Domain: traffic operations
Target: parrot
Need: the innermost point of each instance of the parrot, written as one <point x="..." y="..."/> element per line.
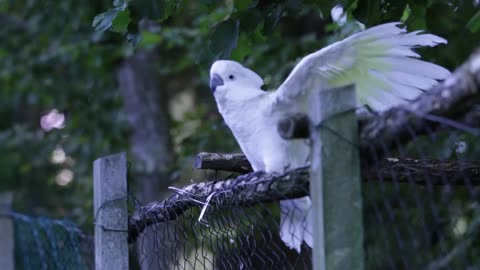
<point x="379" y="61"/>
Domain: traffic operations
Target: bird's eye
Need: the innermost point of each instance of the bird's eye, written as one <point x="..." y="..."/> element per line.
<point x="231" y="77"/>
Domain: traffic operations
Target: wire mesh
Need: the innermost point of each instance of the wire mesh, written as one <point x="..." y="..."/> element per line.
<point x="44" y="243"/>
<point x="420" y="211"/>
<point x="423" y="213"/>
<point x="235" y="238"/>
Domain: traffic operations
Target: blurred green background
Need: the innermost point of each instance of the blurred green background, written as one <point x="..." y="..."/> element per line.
<point x="83" y="79"/>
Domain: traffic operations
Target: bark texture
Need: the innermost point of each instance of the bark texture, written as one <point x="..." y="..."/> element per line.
<point x="145" y="105"/>
<point x="237" y="163"/>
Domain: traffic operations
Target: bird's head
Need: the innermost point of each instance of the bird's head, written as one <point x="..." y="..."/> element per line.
<point x="231" y="80"/>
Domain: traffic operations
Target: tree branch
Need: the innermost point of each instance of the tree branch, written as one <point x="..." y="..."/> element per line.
<point x="294" y="127"/>
<point x="420" y="171"/>
<point x="237" y="163"/>
<point x="248" y="189"/>
<point x="424" y="171"/>
<point x="261" y="187"/>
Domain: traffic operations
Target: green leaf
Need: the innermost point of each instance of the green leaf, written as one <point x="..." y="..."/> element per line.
<point x="224" y="39"/>
<point x="417" y="18"/>
<point x="474" y="23"/>
<point x="104" y="21"/>
<point x="406" y="13"/>
<point x="243" y="49"/>
<point x="121" y="21"/>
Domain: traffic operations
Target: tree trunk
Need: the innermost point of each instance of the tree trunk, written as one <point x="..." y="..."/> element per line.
<point x="145" y="105"/>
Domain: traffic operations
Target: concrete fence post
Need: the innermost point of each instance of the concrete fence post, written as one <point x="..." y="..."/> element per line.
<point x="335" y="182"/>
<point x="111" y="213"/>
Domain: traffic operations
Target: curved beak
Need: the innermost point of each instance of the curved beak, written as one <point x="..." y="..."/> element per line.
<point x="215" y="81"/>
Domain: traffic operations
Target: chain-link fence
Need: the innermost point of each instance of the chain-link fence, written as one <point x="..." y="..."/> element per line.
<point x="420" y="211"/>
<point x="419" y="174"/>
<point x="236" y="236"/>
<point x="421" y="203"/>
<point x="45" y="243"/>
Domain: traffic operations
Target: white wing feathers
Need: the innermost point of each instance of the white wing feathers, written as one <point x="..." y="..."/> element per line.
<point x="379" y="61"/>
<point x="296" y="222"/>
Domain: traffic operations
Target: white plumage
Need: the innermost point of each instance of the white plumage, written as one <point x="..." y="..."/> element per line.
<point x="379" y="61"/>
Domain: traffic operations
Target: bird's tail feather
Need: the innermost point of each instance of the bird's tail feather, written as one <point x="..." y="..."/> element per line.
<point x="296" y="222"/>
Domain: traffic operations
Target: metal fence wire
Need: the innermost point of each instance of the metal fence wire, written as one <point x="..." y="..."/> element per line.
<point x="419" y="173"/>
<point x="420" y="211"/>
<point x="421" y="204"/>
<point x="234" y="237"/>
<point x="45" y="243"/>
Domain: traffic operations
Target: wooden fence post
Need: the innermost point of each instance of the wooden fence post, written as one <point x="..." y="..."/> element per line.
<point x="111" y="214"/>
<point x="335" y="182"/>
<point x="7" y="237"/>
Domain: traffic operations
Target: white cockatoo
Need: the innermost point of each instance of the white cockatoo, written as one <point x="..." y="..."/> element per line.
<point x="379" y="61"/>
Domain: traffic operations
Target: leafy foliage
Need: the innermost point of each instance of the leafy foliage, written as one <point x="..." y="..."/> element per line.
<point x="52" y="58"/>
<point x="56" y="62"/>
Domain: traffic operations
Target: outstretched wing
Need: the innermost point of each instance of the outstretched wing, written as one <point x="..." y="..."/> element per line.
<point x="379" y="61"/>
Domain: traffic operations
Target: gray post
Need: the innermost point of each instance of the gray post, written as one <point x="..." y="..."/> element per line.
<point x="335" y="182"/>
<point x="7" y="237"/>
<point x="111" y="215"/>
